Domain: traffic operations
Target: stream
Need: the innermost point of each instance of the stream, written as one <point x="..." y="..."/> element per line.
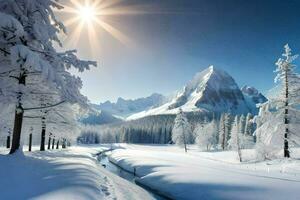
<point x="104" y="161"/>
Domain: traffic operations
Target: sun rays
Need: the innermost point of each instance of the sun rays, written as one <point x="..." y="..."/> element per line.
<point x="86" y="17"/>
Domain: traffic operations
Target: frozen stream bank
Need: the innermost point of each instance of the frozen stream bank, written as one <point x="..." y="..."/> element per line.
<point x="128" y="175"/>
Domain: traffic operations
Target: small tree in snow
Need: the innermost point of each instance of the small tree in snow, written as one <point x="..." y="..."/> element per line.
<point x="249" y="126"/>
<point x="206" y="134"/>
<point x="224" y="128"/>
<point x="182" y="133"/>
<point x="234" y="141"/>
<point x="242" y="122"/>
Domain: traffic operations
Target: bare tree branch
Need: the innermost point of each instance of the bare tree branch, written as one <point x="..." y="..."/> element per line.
<point x="5" y="52"/>
<point x="33" y="117"/>
<point x="43" y="107"/>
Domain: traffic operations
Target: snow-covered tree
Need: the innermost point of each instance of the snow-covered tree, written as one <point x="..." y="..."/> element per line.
<point x="278" y="120"/>
<point x="28" y="31"/>
<point x="234" y="141"/>
<point x="246" y="140"/>
<point x="224" y="128"/>
<point x="206" y="134"/>
<point x="249" y="126"/>
<point x="182" y="133"/>
<point x="242" y="122"/>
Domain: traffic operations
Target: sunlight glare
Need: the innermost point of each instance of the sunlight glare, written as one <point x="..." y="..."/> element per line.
<point x="87" y="13"/>
<point x="90" y="18"/>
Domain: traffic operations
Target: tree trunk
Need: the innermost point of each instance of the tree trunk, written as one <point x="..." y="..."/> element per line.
<point x="63" y="144"/>
<point x="223" y="140"/>
<point x="286" y="121"/>
<point x="239" y="147"/>
<point x="8" y="142"/>
<point x="43" y="136"/>
<point x="57" y="144"/>
<point x="184" y="141"/>
<point x="17" y="129"/>
<point x="223" y="135"/>
<point x="53" y="142"/>
<point x="30" y="142"/>
<point x="49" y="142"/>
<point x="19" y="112"/>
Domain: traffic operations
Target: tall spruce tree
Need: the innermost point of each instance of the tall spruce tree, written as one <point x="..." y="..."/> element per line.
<point x="278" y="119"/>
<point x="289" y="79"/>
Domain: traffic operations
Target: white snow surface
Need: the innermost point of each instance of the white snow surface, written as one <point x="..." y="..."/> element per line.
<point x="72" y="173"/>
<point x="210" y="175"/>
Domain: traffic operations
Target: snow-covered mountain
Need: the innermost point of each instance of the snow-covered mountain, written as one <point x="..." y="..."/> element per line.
<point x="211" y="90"/>
<point x="253" y="97"/>
<point x="98" y="118"/>
<point x="125" y="108"/>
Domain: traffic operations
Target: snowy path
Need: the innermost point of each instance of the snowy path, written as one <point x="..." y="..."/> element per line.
<point x="199" y="175"/>
<point x="72" y="173"/>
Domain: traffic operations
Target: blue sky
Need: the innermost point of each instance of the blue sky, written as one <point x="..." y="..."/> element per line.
<point x="178" y="38"/>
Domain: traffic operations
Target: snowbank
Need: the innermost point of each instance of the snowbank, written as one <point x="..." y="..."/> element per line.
<point x="73" y="173"/>
<point x="201" y="175"/>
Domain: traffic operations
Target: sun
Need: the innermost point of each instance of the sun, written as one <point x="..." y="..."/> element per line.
<point x="87" y="13"/>
<point x="87" y="19"/>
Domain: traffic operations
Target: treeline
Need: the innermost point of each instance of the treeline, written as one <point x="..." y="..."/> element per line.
<point x="157" y="129"/>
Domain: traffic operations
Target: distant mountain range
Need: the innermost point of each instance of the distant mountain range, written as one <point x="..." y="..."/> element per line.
<point x="124" y="108"/>
<point x="98" y="118"/>
<point x="211" y="90"/>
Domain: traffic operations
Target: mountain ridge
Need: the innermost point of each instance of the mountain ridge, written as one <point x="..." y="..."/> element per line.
<point x="212" y="90"/>
<point x="125" y="107"/>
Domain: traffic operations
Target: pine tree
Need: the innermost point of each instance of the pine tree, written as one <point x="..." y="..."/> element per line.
<point x="242" y="122"/>
<point x="278" y="119"/>
<point x="182" y="133"/>
<point x="235" y="137"/>
<point x="287" y="76"/>
<point x="248" y="125"/>
<point x="224" y="128"/>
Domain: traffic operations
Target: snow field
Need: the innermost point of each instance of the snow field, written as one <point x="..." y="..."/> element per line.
<point x="73" y="173"/>
<point x="209" y="175"/>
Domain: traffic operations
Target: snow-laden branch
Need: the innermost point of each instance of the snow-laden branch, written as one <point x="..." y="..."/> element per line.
<point x="43" y="107"/>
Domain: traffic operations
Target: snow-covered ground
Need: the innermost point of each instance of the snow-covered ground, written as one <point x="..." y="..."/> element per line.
<point x="72" y="173"/>
<point x="215" y="175"/>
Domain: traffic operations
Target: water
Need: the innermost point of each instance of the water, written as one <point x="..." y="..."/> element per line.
<point x="103" y="159"/>
<point x="116" y="170"/>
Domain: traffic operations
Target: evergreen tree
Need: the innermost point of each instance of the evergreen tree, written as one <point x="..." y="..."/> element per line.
<point x="224" y="128"/>
<point x="287" y="76"/>
<point x="248" y="125"/>
<point x="242" y="122"/>
<point x="278" y="119"/>
<point x="234" y="142"/>
<point x="182" y="133"/>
